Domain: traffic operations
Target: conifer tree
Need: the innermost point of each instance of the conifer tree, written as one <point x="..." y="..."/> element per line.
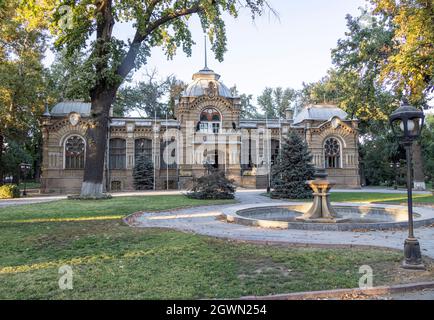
<point x="143" y="173"/>
<point x="292" y="169"/>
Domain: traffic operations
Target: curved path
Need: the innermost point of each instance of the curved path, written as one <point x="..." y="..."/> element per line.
<point x="203" y="220"/>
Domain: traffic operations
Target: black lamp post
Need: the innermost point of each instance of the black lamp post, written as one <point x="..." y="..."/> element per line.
<point x="407" y="123"/>
<point x="25" y="168"/>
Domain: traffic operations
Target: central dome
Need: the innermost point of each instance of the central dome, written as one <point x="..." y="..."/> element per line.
<point x="204" y="82"/>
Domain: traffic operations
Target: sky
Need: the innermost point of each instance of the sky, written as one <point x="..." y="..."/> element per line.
<point x="282" y="51"/>
<point x="269" y="52"/>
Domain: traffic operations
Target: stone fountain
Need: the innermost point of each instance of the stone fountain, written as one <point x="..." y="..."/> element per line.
<point x="321" y="210"/>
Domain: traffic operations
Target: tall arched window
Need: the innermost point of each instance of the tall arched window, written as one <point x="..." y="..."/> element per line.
<point x="332" y="153"/>
<point x="168" y="151"/>
<point x="117" y="154"/>
<point x="210" y="121"/>
<point x="74" y="153"/>
<point x="143" y="146"/>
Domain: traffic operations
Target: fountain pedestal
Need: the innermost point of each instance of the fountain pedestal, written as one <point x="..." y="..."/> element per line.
<point x="321" y="210"/>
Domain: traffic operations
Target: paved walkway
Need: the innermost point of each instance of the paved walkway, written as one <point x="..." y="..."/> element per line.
<point x="202" y="220"/>
<point x="48" y="198"/>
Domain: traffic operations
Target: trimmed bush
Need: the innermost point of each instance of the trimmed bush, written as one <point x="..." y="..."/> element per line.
<point x="214" y="185"/>
<point x="9" y="191"/>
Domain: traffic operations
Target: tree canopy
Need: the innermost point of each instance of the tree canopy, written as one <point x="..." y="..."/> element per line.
<point x="409" y="67"/>
<point x="275" y="101"/>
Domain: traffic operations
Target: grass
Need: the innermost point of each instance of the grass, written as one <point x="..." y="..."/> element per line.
<point x="115" y="208"/>
<point x="369" y="197"/>
<point x="113" y="261"/>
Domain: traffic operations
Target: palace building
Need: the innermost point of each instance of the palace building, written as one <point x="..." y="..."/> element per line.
<point x="207" y="128"/>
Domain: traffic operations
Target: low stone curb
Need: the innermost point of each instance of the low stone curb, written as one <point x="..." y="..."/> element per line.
<point x="314" y="295"/>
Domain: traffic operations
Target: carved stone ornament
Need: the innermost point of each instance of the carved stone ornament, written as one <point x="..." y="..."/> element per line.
<point x="211" y="90"/>
<point x="335" y="123"/>
<point x="74" y="118"/>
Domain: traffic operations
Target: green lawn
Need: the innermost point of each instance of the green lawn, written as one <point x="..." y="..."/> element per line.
<point x="112" y="260"/>
<point x="369" y="197"/>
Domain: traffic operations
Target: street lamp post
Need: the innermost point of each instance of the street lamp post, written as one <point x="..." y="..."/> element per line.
<point x="407" y="123"/>
<point x="25" y="168"/>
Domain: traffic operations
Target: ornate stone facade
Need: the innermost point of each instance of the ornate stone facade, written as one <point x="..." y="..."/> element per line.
<point x="207" y="128"/>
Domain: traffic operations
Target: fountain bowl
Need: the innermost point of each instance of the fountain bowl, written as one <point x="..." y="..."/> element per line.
<point x="350" y="217"/>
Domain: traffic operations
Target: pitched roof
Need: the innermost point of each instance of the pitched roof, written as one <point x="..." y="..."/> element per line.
<point x="66" y="107"/>
<point x="320" y="113"/>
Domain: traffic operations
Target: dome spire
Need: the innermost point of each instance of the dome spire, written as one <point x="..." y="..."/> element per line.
<point x="205" y="56"/>
<point x="206" y="66"/>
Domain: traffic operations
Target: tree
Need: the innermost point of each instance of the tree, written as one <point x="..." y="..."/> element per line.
<point x="248" y="110"/>
<point x="358" y="59"/>
<point x="377" y="153"/>
<point x="149" y="98"/>
<point x="427" y="143"/>
<point x="143" y="173"/>
<point x="292" y="169"/>
<point x="375" y="68"/>
<point x="410" y="67"/>
<point x="156" y="23"/>
<point x="14" y="154"/>
<point x="213" y="185"/>
<point x="360" y="98"/>
<point x="22" y="82"/>
<point x="275" y="101"/>
<point x="66" y="79"/>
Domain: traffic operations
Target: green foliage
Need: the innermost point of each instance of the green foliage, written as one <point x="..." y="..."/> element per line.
<point x="67" y="80"/>
<point x="14" y="154"/>
<point x="248" y="109"/>
<point x="157" y="24"/>
<point x="410" y="67"/>
<point x="355" y="84"/>
<point x="427" y="142"/>
<point x="275" y="101"/>
<point x="9" y="191"/>
<point x="143" y="173"/>
<point x="22" y="90"/>
<point x="149" y="98"/>
<point x="292" y="169"/>
<point x="377" y="153"/>
<point x="213" y="185"/>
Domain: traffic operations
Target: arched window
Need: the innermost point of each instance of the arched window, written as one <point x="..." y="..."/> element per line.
<point x="210" y="121"/>
<point x="74" y="152"/>
<point x="168" y="151"/>
<point x="117" y="154"/>
<point x="143" y="146"/>
<point x="332" y="153"/>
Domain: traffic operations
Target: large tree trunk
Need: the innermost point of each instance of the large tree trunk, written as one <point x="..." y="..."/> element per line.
<point x="418" y="172"/>
<point x="96" y="144"/>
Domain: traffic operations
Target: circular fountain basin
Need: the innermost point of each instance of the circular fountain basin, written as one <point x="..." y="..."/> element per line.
<point x="350" y="217"/>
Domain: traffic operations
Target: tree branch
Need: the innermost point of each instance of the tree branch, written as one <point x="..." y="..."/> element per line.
<point x="128" y="62"/>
